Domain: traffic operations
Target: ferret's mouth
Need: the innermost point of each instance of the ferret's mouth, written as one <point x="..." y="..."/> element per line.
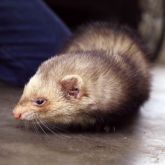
<point x="29" y="116"/>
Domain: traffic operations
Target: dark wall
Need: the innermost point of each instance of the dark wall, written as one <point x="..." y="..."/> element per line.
<point x="76" y="12"/>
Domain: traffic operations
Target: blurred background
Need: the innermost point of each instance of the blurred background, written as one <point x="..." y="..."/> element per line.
<point x="145" y="16"/>
<point x="141" y="142"/>
<point x="31" y="33"/>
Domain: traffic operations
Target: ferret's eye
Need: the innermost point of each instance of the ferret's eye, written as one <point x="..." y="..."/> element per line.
<point x="39" y="101"/>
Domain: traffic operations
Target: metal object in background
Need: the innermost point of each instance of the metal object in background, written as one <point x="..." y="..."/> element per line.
<point x="152" y="24"/>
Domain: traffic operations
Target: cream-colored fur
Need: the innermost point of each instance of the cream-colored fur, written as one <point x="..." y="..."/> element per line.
<point x="97" y="58"/>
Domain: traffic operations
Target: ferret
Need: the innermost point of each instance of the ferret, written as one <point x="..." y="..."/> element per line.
<point x="101" y="73"/>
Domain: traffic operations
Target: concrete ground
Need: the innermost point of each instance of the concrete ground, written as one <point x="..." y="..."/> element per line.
<point x="142" y="142"/>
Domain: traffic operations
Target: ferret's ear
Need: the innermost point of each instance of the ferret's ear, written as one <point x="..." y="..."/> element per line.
<point x="72" y="86"/>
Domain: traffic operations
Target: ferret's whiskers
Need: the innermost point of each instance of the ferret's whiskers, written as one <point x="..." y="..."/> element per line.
<point x="59" y="130"/>
<point x="44" y="124"/>
<point x="26" y="125"/>
<point x="81" y="137"/>
<point x="35" y="127"/>
<point x="52" y="131"/>
<point x="39" y="124"/>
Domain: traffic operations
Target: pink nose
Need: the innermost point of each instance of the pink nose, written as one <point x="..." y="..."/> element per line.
<point x="17" y="115"/>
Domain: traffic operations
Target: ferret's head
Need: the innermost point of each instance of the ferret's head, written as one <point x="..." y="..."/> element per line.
<point x="60" y="99"/>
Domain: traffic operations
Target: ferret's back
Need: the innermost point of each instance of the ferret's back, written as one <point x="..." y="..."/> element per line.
<point x="118" y="41"/>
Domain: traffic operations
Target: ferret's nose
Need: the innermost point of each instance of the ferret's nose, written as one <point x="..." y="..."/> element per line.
<point x="17" y="115"/>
